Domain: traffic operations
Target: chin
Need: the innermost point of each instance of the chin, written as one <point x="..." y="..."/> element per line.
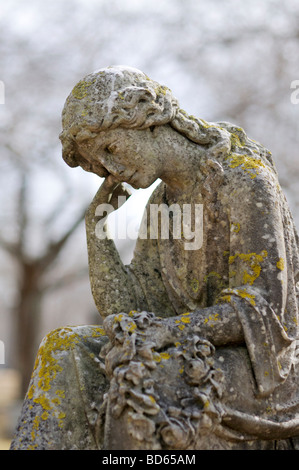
<point x="141" y="183"/>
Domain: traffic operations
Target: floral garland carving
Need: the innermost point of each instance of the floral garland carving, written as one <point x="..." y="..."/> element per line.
<point x="161" y="415"/>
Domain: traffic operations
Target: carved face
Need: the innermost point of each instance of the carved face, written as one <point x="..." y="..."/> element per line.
<point x="133" y="156"/>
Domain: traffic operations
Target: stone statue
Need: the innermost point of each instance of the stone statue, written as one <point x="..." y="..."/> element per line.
<point x="198" y="344"/>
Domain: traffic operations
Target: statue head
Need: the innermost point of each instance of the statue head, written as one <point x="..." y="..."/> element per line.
<point x="121" y="96"/>
<point x="109" y="98"/>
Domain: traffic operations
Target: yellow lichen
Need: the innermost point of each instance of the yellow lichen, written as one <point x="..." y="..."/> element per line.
<point x="184" y="318"/>
<point x="212" y="274"/>
<point x="60" y="393"/>
<point x="80" y="90"/>
<point x="252" y="260"/>
<point x="212" y="318"/>
<point x="235" y="140"/>
<point x="59" y="340"/>
<point x="152" y="399"/>
<point x="43" y="401"/>
<point x="235" y="227"/>
<point x="45" y="415"/>
<point x="118" y="318"/>
<point x="248" y="164"/>
<point x="158" y="357"/>
<point x="226" y="298"/>
<point x="35" y="427"/>
<point x="46" y="369"/>
<point x="132" y="313"/>
<point x="165" y="355"/>
<point x="161" y="90"/>
<point x="194" y="285"/>
<point x="56" y="401"/>
<point x="280" y="264"/>
<point x="98" y="331"/>
<point x="131" y="327"/>
<point x="31" y="392"/>
<point x="245" y="295"/>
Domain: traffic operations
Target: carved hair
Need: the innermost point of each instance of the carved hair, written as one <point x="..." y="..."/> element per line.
<point x="126" y="97"/>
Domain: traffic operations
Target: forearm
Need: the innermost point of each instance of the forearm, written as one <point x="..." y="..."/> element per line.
<point x="218" y="324"/>
<point x="111" y="285"/>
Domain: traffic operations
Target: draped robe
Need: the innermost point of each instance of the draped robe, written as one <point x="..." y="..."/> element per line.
<point x="248" y="263"/>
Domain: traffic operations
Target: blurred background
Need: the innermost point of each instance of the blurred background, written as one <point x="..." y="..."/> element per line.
<point x="224" y="60"/>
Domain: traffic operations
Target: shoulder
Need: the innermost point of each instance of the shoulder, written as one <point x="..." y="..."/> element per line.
<point x="247" y="175"/>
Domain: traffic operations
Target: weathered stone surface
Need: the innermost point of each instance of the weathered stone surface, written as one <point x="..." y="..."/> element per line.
<point x="62" y="408"/>
<point x="200" y="341"/>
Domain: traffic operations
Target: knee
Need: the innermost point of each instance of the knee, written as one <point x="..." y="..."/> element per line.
<point x="65" y="339"/>
<point x="58" y="340"/>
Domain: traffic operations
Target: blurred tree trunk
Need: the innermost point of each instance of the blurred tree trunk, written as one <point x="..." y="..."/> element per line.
<point x="27" y="320"/>
<point x="32" y="270"/>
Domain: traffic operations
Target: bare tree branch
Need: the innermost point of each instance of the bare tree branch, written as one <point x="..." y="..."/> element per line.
<point x="55" y="248"/>
<point x="10" y="247"/>
<point x="66" y="280"/>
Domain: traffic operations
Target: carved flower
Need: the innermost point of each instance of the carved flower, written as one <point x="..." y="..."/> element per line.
<point x="144" y="319"/>
<point x="135" y="372"/>
<point x="196" y="370"/>
<point x="202" y="348"/>
<point x="176" y="435"/>
<point x="143" y="403"/>
<point x="140" y="427"/>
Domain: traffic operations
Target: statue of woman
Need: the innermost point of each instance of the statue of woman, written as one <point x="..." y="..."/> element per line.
<point x="198" y="345"/>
